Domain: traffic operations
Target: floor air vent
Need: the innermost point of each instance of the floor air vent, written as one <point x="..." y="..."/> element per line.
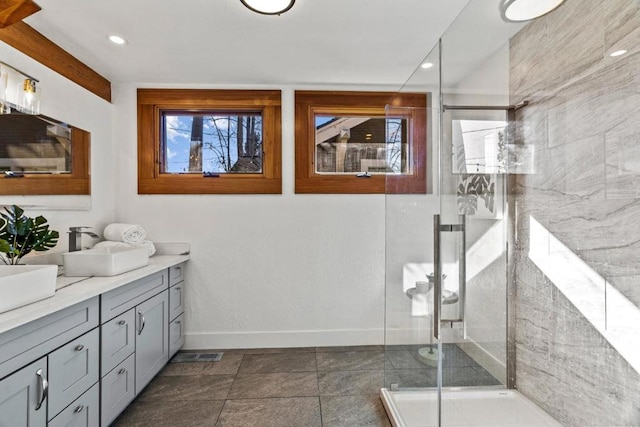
<point x="197" y="357"/>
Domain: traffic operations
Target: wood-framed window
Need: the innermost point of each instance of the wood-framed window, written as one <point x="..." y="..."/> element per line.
<point x="193" y="141"/>
<point x="360" y="142"/>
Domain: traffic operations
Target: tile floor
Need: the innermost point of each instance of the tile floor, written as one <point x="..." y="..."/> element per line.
<point x="301" y="387"/>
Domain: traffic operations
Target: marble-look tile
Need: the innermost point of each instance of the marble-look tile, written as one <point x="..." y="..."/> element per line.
<point x="229" y="365"/>
<point x="623" y="161"/>
<point x="292" y="384"/>
<point x="353" y="411"/>
<point x="350" y="360"/>
<point x="622" y="25"/>
<point x="340" y="383"/>
<point x="278" y="362"/>
<point x="170" y="414"/>
<point x="629" y="285"/>
<point x="561" y="169"/>
<point x="188" y="387"/>
<point x="278" y="412"/>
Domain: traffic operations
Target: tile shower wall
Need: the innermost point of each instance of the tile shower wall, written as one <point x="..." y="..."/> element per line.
<point x="584" y="123"/>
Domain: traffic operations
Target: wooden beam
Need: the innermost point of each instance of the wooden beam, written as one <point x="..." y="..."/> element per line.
<point x="30" y="42"/>
<point x="12" y="11"/>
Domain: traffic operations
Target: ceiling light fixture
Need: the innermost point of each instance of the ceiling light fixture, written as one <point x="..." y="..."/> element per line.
<point x="526" y="10"/>
<point x="427" y="65"/>
<point x="618" y="52"/>
<point x="117" y="39"/>
<point x="269" y="7"/>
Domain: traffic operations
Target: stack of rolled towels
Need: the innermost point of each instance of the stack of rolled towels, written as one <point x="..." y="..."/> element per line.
<point x="119" y="234"/>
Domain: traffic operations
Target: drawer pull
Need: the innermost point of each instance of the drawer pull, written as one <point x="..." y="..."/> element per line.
<point x="44" y="388"/>
<point x="79" y="347"/>
<point x="122" y="371"/>
<point x="178" y="322"/>
<point x="78" y="409"/>
<point x="179" y="288"/>
<point x="122" y="322"/>
<point x="141" y="322"/>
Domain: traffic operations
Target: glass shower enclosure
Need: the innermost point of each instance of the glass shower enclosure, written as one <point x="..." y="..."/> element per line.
<point x="447" y="251"/>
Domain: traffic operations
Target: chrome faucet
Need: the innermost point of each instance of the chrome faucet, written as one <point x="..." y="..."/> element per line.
<point x="75" y="237"/>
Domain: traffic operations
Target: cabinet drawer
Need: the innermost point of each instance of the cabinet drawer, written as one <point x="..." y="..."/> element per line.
<point x="119" y="300"/>
<point x="24" y="344"/>
<point x="176" y="300"/>
<point x="73" y="369"/>
<point x="117" y="390"/>
<point x="84" y="412"/>
<point x="118" y="340"/>
<point x="20" y="395"/>
<point x="176" y="274"/>
<point x="176" y="335"/>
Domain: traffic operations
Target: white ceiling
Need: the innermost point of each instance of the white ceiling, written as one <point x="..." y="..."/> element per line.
<point x="337" y="42"/>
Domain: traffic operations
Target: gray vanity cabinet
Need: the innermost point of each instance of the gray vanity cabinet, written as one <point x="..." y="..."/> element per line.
<point x="23" y="396"/>
<point x="73" y="369"/>
<point x="176" y="308"/>
<point x="83" y="412"/>
<point x="152" y="338"/>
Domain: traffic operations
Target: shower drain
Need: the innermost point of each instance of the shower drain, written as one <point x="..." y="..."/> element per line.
<point x="197" y="357"/>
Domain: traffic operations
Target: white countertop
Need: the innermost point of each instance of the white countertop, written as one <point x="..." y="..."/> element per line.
<point x="82" y="289"/>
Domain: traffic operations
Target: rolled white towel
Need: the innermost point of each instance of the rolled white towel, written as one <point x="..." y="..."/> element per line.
<point x="151" y="248"/>
<point x="128" y="233"/>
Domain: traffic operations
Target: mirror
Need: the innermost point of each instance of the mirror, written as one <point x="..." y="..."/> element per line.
<point x="42" y="156"/>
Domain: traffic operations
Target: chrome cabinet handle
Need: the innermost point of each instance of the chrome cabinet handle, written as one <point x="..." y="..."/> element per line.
<point x="78" y="348"/>
<point x="122" y="322"/>
<point x="78" y="409"/>
<point x="141" y="321"/>
<point x="44" y="388"/>
<point x="122" y="371"/>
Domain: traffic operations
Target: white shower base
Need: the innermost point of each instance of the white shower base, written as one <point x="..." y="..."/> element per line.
<point x="478" y="408"/>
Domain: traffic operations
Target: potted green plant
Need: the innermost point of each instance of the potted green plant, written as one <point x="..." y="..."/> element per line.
<point x="19" y="235"/>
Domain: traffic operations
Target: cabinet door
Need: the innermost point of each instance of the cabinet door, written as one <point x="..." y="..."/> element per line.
<point x="73" y="369"/>
<point x="23" y="396"/>
<point x="176" y="335"/>
<point x="152" y="338"/>
<point x="83" y="412"/>
<point x="176" y="295"/>
<point x="118" y="389"/>
<point x="118" y="340"/>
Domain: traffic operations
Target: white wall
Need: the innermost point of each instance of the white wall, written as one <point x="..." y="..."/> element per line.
<point x="266" y="270"/>
<point x="65" y="101"/>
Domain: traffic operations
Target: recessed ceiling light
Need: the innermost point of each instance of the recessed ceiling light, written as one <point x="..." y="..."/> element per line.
<point x="618" y="52"/>
<point x="117" y="39"/>
<point x="427" y="65"/>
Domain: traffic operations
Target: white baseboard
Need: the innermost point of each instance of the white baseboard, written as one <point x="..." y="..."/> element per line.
<point x="283" y="339"/>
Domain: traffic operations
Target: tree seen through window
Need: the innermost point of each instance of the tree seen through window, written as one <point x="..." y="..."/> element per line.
<point x="212" y="142"/>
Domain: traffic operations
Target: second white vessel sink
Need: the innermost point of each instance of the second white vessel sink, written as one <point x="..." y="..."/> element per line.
<point x="104" y="261"/>
<point x="23" y="284"/>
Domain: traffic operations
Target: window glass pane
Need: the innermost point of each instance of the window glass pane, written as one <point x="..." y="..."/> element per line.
<point x="354" y="144"/>
<point x="212" y="142"/>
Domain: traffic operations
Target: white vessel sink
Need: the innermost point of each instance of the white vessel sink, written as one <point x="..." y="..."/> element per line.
<point x="23" y="284"/>
<point x="104" y="261"/>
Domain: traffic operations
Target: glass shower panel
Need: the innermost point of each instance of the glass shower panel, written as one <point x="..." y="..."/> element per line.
<point x="410" y="347"/>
